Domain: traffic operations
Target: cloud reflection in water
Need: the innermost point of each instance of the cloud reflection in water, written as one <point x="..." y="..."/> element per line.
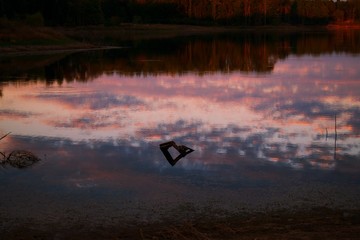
<point x="280" y="118"/>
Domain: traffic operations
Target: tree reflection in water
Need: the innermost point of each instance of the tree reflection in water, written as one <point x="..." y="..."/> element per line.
<point x="244" y="52"/>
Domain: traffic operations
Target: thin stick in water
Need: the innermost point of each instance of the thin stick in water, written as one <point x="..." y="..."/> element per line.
<point x="5" y="135"/>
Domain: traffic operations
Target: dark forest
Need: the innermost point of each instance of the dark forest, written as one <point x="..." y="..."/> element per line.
<point x="199" y="12"/>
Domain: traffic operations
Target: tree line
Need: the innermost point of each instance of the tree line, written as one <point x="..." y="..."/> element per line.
<point x="245" y="52"/>
<point x="239" y="12"/>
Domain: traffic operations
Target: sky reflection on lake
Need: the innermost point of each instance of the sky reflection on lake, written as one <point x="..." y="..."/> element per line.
<point x="255" y="134"/>
<point x="286" y="116"/>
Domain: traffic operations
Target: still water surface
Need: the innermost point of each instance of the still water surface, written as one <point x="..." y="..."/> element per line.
<point x="274" y="122"/>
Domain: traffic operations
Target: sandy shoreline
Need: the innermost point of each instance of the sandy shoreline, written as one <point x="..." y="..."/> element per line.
<point x="318" y="223"/>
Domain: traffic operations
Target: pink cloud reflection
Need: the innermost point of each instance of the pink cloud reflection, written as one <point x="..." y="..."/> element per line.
<point x="295" y="105"/>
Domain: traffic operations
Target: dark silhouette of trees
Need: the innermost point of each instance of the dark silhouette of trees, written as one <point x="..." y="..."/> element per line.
<point x="243" y="12"/>
<point x="250" y="52"/>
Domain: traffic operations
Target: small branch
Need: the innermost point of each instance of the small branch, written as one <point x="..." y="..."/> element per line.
<point x="5" y="135"/>
<point x="8" y="157"/>
<point x="326" y="134"/>
<point x="335" y="140"/>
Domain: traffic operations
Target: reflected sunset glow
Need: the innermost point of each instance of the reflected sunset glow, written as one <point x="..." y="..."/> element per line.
<point x="286" y="116"/>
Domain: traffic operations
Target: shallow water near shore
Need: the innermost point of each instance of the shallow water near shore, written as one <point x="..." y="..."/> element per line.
<point x="273" y="120"/>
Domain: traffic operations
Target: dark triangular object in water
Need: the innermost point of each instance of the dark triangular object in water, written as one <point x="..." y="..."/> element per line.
<point x="183" y="150"/>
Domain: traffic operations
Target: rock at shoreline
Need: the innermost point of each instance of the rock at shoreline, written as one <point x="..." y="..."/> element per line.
<point x="21" y="159"/>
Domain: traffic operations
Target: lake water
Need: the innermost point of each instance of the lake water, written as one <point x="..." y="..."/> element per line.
<point x="274" y="121"/>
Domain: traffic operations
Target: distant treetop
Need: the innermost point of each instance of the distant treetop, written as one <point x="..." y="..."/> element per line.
<point x="205" y="12"/>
